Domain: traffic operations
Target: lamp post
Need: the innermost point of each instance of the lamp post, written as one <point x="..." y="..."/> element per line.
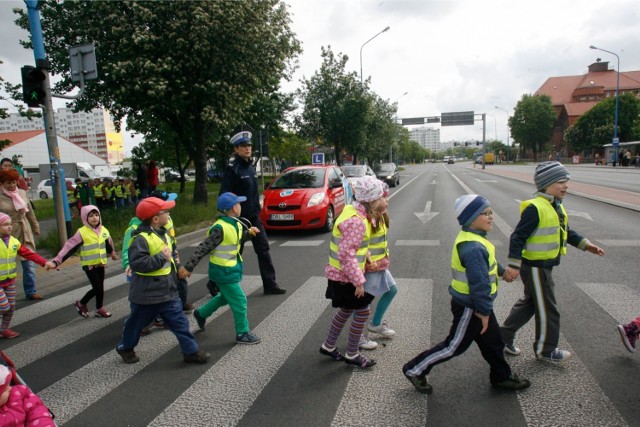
<point x="507" y="130"/>
<point x="615" y="142"/>
<point x="396" y="119"/>
<point x="386" y="29"/>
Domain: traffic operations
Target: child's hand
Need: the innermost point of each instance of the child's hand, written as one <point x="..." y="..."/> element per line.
<point x="359" y="291"/>
<point x="166" y="252"/>
<point x="50" y="265"/>
<point x="595" y="249"/>
<point x="485" y="322"/>
<point x="510" y="274"/>
<point x="183" y="273"/>
<point x="114" y="256"/>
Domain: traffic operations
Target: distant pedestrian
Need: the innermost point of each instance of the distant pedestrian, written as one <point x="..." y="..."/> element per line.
<point x="537" y="245"/>
<point x="141" y="180"/>
<point x="152" y="176"/>
<point x="630" y="333"/>
<point x="95" y="244"/>
<point x="7" y="163"/>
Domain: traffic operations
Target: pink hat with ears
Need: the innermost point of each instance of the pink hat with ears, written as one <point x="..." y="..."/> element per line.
<point x="4" y="217"/>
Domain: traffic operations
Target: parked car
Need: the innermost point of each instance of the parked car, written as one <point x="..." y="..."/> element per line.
<point x="357" y="171"/>
<point x="388" y="172"/>
<point x="171" y="175"/>
<point x="304" y="197"/>
<point x="45" y="188"/>
<point x="451" y="160"/>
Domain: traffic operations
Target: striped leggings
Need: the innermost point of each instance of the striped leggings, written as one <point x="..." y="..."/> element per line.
<point x="360" y="317"/>
<point x="7" y="305"/>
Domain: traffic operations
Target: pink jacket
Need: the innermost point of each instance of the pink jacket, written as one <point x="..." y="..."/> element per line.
<point x="24" y="408"/>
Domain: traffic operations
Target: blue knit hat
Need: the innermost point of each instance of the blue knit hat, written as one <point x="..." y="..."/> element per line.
<point x="548" y="173"/>
<point x="469" y="207"/>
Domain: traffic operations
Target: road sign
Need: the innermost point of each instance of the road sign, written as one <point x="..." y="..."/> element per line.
<point x="615" y="142"/>
<point x="83" y="62"/>
<point x="435" y="119"/>
<point x="413" y="121"/>
<point x="317" y="159"/>
<point x="457" y="119"/>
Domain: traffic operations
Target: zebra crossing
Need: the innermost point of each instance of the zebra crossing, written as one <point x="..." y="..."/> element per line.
<point x="226" y="389"/>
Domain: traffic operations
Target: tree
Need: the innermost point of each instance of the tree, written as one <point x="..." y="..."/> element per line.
<point x="194" y="69"/>
<point x="335" y="106"/>
<point x="532" y="123"/>
<point x="381" y="130"/>
<point x="291" y="148"/>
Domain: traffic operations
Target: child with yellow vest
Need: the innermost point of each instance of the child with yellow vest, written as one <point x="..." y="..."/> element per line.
<point x="10" y="247"/>
<point x="536" y="246"/>
<point x="224" y="244"/>
<point x="473" y="288"/>
<point x="95" y="245"/>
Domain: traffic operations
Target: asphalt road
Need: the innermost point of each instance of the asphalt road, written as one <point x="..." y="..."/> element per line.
<point x="284" y="381"/>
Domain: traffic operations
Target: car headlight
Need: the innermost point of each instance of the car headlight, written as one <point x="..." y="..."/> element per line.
<point x="389" y="176"/>
<point x="261" y="198"/>
<point x="316" y="199"/>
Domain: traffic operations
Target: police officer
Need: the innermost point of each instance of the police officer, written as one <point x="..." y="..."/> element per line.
<point x="240" y="178"/>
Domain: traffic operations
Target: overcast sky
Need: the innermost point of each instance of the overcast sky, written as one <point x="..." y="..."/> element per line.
<point x="459" y="55"/>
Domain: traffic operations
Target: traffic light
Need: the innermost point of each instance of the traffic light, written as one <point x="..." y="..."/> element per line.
<point x="33" y="92"/>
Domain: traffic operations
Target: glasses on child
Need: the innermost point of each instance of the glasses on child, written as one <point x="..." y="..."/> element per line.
<point x="488" y="214"/>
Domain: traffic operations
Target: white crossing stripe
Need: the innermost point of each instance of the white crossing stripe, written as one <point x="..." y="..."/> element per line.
<point x="382" y="395"/>
<point x="295" y="243"/>
<point x="619" y="242"/>
<point x="620" y="301"/>
<point x="228" y="389"/>
<point x="417" y="242"/>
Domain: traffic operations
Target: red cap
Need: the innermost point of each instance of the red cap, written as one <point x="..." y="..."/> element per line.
<point x="150" y="207"/>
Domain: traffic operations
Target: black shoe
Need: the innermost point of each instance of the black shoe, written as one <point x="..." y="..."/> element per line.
<point x="276" y="290"/>
<point x="197" y="357"/>
<point x="128" y="356"/>
<point x="199" y="319"/>
<point x="513" y="383"/>
<point x="420" y="384"/>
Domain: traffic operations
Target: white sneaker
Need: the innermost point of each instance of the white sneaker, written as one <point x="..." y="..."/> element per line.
<point x="382" y="329"/>
<point x="556" y="356"/>
<point x="366" y="344"/>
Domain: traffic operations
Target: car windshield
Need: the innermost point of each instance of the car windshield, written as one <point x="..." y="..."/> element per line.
<point x="385" y="168"/>
<point x="300" y="178"/>
<point x="353" y="171"/>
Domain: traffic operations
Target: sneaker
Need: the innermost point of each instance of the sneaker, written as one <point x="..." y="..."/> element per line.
<point x="145" y="332"/>
<point x="102" y="312"/>
<point x="188" y="308"/>
<point x="128" y="356"/>
<point x="382" y="329"/>
<point x="82" y="309"/>
<point x="512" y="350"/>
<point x="35" y="297"/>
<point x="367" y="344"/>
<point x="359" y="360"/>
<point x="420" y="384"/>
<point x="629" y="335"/>
<point x="335" y="353"/>
<point x="199" y="319"/>
<point x="556" y="356"/>
<point x="9" y="333"/>
<point x="514" y="382"/>
<point x="247" y="338"/>
<point x="197" y="357"/>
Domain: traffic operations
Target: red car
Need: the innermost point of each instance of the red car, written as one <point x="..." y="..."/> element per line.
<point x="304" y="197"/>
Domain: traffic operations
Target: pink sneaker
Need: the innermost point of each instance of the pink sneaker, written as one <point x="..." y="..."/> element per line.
<point x="102" y="312"/>
<point x="82" y="309"/>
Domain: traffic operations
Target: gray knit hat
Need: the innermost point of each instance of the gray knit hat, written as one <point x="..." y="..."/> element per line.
<point x="548" y="173"/>
<point x="469" y="207"/>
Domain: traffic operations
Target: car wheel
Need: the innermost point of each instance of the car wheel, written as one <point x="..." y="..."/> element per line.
<point x="43" y="195"/>
<point x="329" y="220"/>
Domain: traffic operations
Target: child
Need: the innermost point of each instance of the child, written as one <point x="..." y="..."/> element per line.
<point x="9" y="248"/>
<point x="536" y="245"/>
<point x="73" y="201"/>
<point x="119" y="192"/>
<point x="380" y="282"/>
<point x="629" y="334"/>
<point x="19" y="406"/>
<point x="473" y="288"/>
<point x="153" y="289"/>
<point x="224" y="242"/>
<point x="345" y="271"/>
<point x="95" y="244"/>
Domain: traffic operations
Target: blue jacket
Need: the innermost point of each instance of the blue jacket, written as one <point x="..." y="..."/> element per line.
<point x="240" y="178"/>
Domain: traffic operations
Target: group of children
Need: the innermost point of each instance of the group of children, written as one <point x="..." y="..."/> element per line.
<point x="105" y="194"/>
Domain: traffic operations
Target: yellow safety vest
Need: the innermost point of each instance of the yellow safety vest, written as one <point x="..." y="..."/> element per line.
<point x="119" y="192"/>
<point x="171" y="231"/>
<point x="97" y="191"/>
<point x="544" y="243"/>
<point x="8" y="258"/>
<point x="460" y="282"/>
<point x="227" y="252"/>
<point x="378" y="248"/>
<point x="108" y="192"/>
<point x="361" y="254"/>
<point x="156" y="244"/>
<point x="94" y="248"/>
<point x="71" y="196"/>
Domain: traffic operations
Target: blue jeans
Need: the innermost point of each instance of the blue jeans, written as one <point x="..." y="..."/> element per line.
<point x="28" y="277"/>
<point x="174" y="319"/>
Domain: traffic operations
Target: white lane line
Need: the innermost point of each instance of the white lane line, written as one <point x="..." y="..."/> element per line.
<point x="619" y="242"/>
<point x="72" y="394"/>
<point x="382" y="395"/>
<point x="417" y="243"/>
<point x="564" y="394"/>
<point x="295" y="243"/>
<point x="620" y="301"/>
<point x="229" y="388"/>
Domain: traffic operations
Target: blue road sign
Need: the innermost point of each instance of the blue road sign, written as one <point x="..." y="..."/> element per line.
<point x="317" y="159"/>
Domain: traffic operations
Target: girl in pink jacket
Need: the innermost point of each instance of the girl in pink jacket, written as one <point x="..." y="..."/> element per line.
<point x="19" y="406"/>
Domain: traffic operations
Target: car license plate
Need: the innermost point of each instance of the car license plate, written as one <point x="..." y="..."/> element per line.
<point x="281" y="217"/>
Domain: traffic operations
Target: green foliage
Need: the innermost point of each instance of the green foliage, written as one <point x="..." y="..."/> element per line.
<point x="291" y="148"/>
<point x="532" y="122"/>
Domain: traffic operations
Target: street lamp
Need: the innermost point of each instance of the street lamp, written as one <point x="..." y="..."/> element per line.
<point x="615" y="142"/>
<point x="386" y="29"/>
<point x="391" y="143"/>
<point x="507" y="130"/>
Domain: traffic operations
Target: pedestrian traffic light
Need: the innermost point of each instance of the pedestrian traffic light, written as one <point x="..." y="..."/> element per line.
<point x="33" y="92"/>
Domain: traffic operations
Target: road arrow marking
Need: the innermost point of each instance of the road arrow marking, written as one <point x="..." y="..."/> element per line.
<point x="427" y="215"/>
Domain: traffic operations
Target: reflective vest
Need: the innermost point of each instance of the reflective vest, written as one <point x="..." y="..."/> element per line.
<point x="378" y="248"/>
<point x="97" y="191"/>
<point x="227" y="252"/>
<point x="460" y="282"/>
<point x="8" y="258"/>
<point x="544" y="243"/>
<point x="108" y="192"/>
<point x="94" y="248"/>
<point x="118" y="191"/>
<point x="361" y="254"/>
<point x="156" y="244"/>
<point x="171" y="231"/>
<point x="71" y="196"/>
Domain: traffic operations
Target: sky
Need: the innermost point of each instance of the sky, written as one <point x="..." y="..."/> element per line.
<point x="446" y="55"/>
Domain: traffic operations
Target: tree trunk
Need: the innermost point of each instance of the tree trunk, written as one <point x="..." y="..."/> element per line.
<point x="200" y="195"/>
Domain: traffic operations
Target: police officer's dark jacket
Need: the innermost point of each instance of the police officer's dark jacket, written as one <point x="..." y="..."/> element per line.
<point x="240" y="178"/>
